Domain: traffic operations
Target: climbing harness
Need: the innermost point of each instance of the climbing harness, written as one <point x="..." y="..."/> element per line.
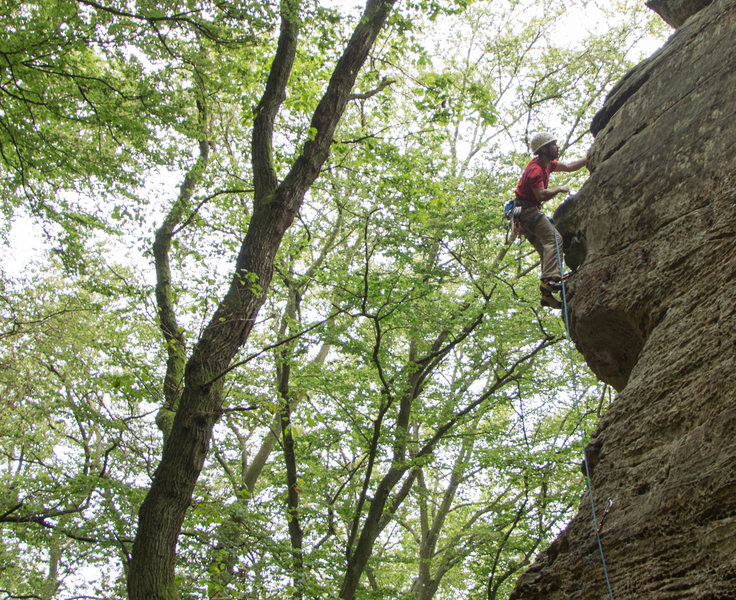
<point x="596" y="525"/>
<point x="512" y="212"/>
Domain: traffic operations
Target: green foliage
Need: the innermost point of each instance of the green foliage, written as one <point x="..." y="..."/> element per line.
<point x="70" y="109"/>
<point x="76" y="388"/>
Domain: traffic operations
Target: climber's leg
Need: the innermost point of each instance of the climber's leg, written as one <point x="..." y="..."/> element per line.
<point x="545" y="233"/>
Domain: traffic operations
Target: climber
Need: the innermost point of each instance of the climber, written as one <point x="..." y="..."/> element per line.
<point x="537" y="228"/>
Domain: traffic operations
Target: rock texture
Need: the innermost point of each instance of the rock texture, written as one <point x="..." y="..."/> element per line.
<point x="653" y="310"/>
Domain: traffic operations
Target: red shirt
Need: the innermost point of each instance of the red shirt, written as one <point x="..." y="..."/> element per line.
<point x="534" y="176"/>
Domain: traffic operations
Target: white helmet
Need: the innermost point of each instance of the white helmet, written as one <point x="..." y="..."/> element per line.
<point x="540" y="140"/>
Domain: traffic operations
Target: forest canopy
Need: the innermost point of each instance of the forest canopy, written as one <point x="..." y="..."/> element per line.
<point x="275" y="341"/>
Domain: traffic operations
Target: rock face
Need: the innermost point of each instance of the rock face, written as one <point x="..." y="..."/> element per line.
<point x="653" y="310"/>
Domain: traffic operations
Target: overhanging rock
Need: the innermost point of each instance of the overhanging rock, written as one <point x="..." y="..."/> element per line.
<point x="676" y="12"/>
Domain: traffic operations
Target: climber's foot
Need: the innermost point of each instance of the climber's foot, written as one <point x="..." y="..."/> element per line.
<point x="550" y="301"/>
<point x="547" y="286"/>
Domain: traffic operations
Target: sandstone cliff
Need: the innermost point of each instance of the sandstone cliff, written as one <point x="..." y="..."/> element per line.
<point x="653" y="310"/>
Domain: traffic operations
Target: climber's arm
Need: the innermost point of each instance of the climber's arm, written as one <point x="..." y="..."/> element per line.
<point x="572" y="167"/>
<point x="543" y="195"/>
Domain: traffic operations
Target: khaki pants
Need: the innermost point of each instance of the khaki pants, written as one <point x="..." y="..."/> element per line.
<point x="538" y="229"/>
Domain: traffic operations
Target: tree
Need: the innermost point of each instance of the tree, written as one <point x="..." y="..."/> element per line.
<point x="274" y="208"/>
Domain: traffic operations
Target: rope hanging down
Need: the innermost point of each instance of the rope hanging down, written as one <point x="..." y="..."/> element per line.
<point x="596" y="526"/>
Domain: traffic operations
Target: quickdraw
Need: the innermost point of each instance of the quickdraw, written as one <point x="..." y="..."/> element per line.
<point x="603" y="517"/>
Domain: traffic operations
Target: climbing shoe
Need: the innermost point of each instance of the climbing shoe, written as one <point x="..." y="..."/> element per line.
<point x="547" y="286"/>
<point x="550" y="301"/>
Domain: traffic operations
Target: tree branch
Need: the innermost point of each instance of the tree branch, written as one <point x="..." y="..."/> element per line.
<point x="264" y="174"/>
<point x="385" y="82"/>
<point x="172" y="333"/>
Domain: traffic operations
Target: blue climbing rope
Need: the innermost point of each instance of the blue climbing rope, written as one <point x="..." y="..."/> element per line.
<point x="580" y="419"/>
